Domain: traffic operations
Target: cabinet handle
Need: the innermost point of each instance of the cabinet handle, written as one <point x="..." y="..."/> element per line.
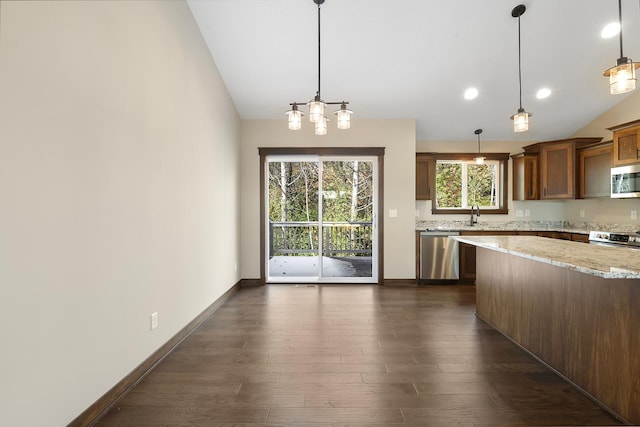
<point x="545" y="191"/>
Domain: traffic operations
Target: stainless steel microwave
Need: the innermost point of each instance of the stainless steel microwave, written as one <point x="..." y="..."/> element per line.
<point x="625" y="181"/>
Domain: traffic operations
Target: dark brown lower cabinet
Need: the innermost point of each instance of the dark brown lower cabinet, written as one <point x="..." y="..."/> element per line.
<point x="467" y="263"/>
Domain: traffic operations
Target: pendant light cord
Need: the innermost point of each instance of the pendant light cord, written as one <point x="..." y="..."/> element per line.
<point x="318" y="51"/>
<point x="520" y="62"/>
<point x="620" y="23"/>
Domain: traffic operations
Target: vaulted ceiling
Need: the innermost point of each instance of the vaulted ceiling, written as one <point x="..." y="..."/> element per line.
<point x="414" y="59"/>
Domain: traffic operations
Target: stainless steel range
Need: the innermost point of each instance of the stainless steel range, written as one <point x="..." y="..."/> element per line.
<point x="609" y="238"/>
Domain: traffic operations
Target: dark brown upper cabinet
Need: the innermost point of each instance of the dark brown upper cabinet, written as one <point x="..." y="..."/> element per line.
<point x="424" y="174"/>
<point x="558" y="166"/>
<point x="626" y="143"/>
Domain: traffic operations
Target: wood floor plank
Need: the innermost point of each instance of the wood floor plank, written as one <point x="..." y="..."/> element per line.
<point x="336" y="415"/>
<point x="351" y="356"/>
<point x="354" y="389"/>
<point x="439" y="401"/>
<point x="509" y="417"/>
<point x="181" y="400"/>
<point x="166" y="415"/>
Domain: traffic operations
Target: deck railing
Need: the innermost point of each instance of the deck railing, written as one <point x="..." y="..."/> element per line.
<point x="338" y="238"/>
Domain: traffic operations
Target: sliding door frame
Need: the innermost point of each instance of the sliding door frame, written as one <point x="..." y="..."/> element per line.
<point x="377" y="152"/>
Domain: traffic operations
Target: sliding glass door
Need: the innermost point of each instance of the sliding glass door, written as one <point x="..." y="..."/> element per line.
<point x="320" y="219"/>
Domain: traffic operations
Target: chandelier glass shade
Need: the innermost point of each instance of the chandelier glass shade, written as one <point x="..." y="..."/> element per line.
<point x="316" y="110"/>
<point x="317" y="107"/>
<point x="622" y="77"/>
<point x="343" y="116"/>
<point x="295" y="118"/>
<point x="320" y="127"/>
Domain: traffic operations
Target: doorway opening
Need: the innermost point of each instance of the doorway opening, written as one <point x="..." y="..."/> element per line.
<point x="320" y="218"/>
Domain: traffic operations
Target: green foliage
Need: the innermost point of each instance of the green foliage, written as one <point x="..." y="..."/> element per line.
<point x="293" y="191"/>
<point x="338" y="191"/>
<point x="347" y="196"/>
<point x="449" y="185"/>
<point x="480" y="184"/>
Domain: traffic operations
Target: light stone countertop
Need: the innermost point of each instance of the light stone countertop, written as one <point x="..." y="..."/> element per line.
<point x="604" y="261"/>
<point x="560" y="226"/>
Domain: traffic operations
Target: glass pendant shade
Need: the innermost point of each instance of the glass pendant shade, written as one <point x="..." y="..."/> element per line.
<point x="295" y="118"/>
<point x="321" y="126"/>
<point x="343" y="117"/>
<point x="520" y="121"/>
<point x="316" y="111"/>
<point x="479" y="160"/>
<point x="622" y="78"/>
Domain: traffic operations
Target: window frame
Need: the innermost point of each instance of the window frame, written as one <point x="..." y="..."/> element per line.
<point x="503" y="171"/>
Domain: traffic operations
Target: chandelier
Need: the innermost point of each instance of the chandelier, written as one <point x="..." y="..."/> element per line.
<point x="622" y="77"/>
<point x="317" y="106"/>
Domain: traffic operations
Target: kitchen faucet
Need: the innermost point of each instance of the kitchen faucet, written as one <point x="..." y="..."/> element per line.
<point x="474" y="220"/>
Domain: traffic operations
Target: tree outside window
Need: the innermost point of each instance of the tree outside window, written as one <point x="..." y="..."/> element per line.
<point x="460" y="183"/>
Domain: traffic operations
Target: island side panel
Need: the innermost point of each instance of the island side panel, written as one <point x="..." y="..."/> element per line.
<point x="585" y="327"/>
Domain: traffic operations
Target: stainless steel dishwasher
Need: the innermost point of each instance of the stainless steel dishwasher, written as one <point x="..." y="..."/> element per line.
<point x="438" y="256"/>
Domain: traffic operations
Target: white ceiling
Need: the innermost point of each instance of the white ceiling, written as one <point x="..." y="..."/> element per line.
<point x="413" y="59"/>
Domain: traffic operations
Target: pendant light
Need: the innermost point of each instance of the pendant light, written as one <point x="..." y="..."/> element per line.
<point x="521" y="118"/>
<point x="479" y="159"/>
<point x="622" y="77"/>
<point x="317" y="106"/>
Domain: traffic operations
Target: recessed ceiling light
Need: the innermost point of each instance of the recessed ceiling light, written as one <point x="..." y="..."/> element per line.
<point x="543" y="93"/>
<point x="610" y="30"/>
<point x="471" y="93"/>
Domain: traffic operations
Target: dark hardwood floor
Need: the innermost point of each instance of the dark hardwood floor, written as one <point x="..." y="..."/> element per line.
<point x="351" y="355"/>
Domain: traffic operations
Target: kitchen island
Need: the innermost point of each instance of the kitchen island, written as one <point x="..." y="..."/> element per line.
<point x="574" y="306"/>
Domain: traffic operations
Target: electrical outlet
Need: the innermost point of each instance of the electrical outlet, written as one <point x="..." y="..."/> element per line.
<point x="634" y="214"/>
<point x="154" y="320"/>
<point x="417" y="212"/>
<point x="527" y="212"/>
<point x="582" y="214"/>
<point x="393" y="213"/>
<point x="235" y="267"/>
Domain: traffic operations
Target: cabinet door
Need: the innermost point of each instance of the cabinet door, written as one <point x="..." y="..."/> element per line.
<point x="549" y="234"/>
<point x="467" y="262"/>
<point x="595" y="172"/>
<point x="557" y="171"/>
<point x="578" y="237"/>
<point x="626" y="146"/>
<point x="424" y="174"/>
<point x="525" y="177"/>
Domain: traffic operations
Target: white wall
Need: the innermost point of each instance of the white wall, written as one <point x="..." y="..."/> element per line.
<point x="119" y="148"/>
<point x="399" y="139"/>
